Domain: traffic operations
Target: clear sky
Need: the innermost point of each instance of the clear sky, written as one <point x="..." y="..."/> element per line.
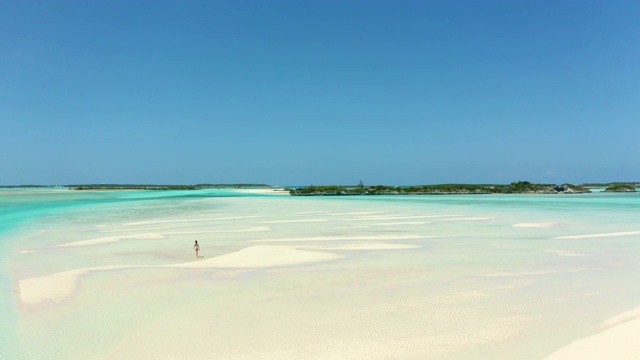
<point x="319" y="92"/>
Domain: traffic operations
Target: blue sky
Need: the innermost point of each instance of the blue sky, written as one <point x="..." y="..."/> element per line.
<point x="319" y="92"/>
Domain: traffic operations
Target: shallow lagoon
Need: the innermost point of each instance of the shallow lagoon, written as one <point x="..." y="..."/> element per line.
<point x="446" y="277"/>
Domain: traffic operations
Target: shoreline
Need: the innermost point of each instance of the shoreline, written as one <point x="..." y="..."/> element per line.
<point x="455" y="280"/>
<point x="618" y="341"/>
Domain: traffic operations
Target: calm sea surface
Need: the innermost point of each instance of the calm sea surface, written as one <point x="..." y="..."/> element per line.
<point x="23" y="210"/>
<point x="572" y="258"/>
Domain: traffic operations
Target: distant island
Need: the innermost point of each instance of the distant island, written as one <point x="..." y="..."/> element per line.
<point x="621" y="188"/>
<point x="605" y="185"/>
<point x="166" y="187"/>
<point x="519" y="187"/>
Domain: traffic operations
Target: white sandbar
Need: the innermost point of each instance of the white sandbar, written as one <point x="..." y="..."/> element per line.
<point x="348" y="237"/>
<point x="535" y="225"/>
<point x="591" y="236"/>
<point x="619" y="342"/>
<point x="367" y="246"/>
<point x="261" y="256"/>
<point x="402" y="223"/>
<point x="135" y="223"/>
<point x="338" y="213"/>
<point x="58" y="286"/>
<point x="109" y="239"/>
<point x="469" y="219"/>
<point x="517" y="274"/>
<point x="263" y="191"/>
<point x="563" y="253"/>
<point x="251" y="229"/>
<point x="396" y="217"/>
<point x="621" y="318"/>
<point x="55" y="287"/>
<point x="292" y="221"/>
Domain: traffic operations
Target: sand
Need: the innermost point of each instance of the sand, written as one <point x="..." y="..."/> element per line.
<point x="55" y="287"/>
<point x="342" y="238"/>
<point x="592" y="236"/>
<point x="469" y="219"/>
<point x="327" y="279"/>
<point x="109" y="239"/>
<point x="260" y="256"/>
<point x="167" y="221"/>
<point x="263" y="191"/>
<point x="620" y="342"/>
<point x="59" y="286"/>
<point x="542" y="225"/>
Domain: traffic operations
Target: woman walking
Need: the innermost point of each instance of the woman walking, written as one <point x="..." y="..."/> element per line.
<point x="196" y="247"/>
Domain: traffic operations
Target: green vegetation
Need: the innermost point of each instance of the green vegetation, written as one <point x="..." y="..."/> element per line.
<point x="131" y="187"/>
<point x="233" y="186"/>
<point x="621" y="188"/>
<point x="167" y="187"/>
<point x="26" y="186"/>
<point x="519" y="187"/>
<point x="605" y="185"/>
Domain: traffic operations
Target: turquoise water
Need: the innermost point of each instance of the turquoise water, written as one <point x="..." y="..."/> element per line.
<point x="22" y="210"/>
<point x="478" y="251"/>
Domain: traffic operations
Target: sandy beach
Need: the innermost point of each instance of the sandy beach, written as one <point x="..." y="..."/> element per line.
<point x="280" y="277"/>
<point x="619" y="342"/>
<point x="317" y="180"/>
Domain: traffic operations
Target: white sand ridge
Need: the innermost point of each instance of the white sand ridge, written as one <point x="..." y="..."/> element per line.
<point x="159" y="235"/>
<point x="564" y="253"/>
<point x="350" y="237"/>
<point x="59" y="286"/>
<point x="477" y="218"/>
<point x="260" y="256"/>
<point x="136" y="223"/>
<point x="592" y="236"/>
<point x="364" y="246"/>
<point x="292" y="221"/>
<point x="338" y="213"/>
<point x="619" y="341"/>
<point x="400" y="217"/>
<point x="542" y="225"/>
<point x="109" y="239"/>
<point x="621" y="318"/>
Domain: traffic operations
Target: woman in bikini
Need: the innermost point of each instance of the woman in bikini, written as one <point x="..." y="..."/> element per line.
<point x="197" y="248"/>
